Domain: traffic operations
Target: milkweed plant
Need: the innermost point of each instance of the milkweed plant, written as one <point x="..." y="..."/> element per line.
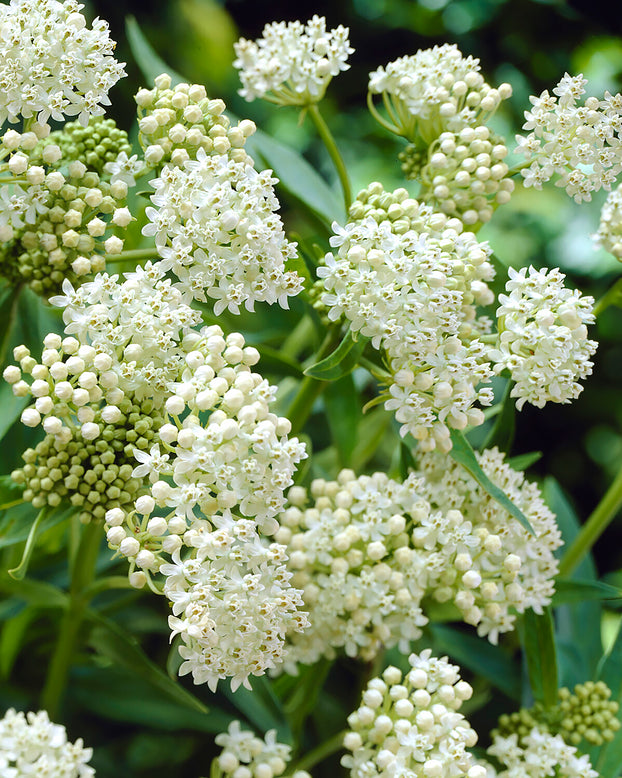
<point x="174" y="480"/>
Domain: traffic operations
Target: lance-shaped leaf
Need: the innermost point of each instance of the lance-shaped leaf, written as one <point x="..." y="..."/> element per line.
<point x="541" y="655"/>
<point x="150" y="63"/>
<point x="464" y="455"/>
<point x="341" y="362"/>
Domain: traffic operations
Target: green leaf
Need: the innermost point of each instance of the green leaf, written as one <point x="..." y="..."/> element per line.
<point x="372" y="429"/>
<point x="524" y="461"/>
<point x="37" y="593"/>
<point x="343" y="414"/>
<point x="35" y="529"/>
<point x="273" y="361"/>
<point x="541" y="655"/>
<point x="609" y="761"/>
<point x="569" y="590"/>
<point x="122" y="649"/>
<point x="342" y="361"/>
<point x="146" y="58"/>
<point x="16" y="523"/>
<point x="261" y="706"/>
<point x="10" y="492"/>
<point x="297" y="177"/>
<point x="502" y="433"/>
<point x="407" y="461"/>
<point x="12" y="638"/>
<point x="464" y="455"/>
<point x="481" y="657"/>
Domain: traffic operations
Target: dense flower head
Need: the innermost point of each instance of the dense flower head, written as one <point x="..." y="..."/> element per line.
<point x="138" y="322"/>
<point x="58" y="216"/>
<point x="32" y="745"/>
<point x="586" y="712"/>
<point x="465" y="175"/>
<point x="543" y="337"/>
<point x="52" y="64"/>
<point x="215" y="226"/>
<point x="293" y="63"/>
<point x="409" y="724"/>
<point x="174" y="122"/>
<point x="436" y="90"/>
<point x="92" y="429"/>
<point x="258" y="758"/>
<point x="540" y="753"/>
<point x="609" y="234"/>
<point x="362" y="579"/>
<point x="232" y="601"/>
<point x="509" y="570"/>
<point x="414" y="291"/>
<point x="579" y="144"/>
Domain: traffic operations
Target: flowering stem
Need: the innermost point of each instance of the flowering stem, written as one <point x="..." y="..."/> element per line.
<point x="298" y="338"/>
<point x="321" y="752"/>
<point x="593" y="528"/>
<point x="310" y="389"/>
<point x="331" y="147"/>
<point x="6" y="336"/>
<point x="82" y="576"/>
<point x="612" y="296"/>
<point x="131" y="254"/>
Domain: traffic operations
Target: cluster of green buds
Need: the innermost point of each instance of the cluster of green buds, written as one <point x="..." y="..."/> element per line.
<point x="175" y="122"/>
<point x="58" y="215"/>
<point x="97" y="144"/>
<point x="587" y="713"/>
<point x="465" y="175"/>
<point x="92" y="429"/>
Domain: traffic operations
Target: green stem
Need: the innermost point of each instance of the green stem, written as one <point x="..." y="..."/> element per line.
<point x="331" y="147"/>
<point x="321" y="752"/>
<point x="106" y="584"/>
<point x="131" y="254"/>
<point x="310" y="389"/>
<point x="594" y="527"/>
<point x="612" y="296"/>
<point x="20" y="571"/>
<point x="82" y="576"/>
<point x="5" y="339"/>
<point x="299" y="338"/>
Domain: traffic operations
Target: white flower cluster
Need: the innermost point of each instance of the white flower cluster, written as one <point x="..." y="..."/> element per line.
<point x="538" y="754"/>
<point x="245" y="755"/>
<point x="543" y="337"/>
<point x="31" y="745"/>
<point x="235" y="601"/>
<point x="293" y="63"/>
<point x="175" y="122"/>
<point x="92" y="428"/>
<point x="138" y="323"/>
<point x="489" y="566"/>
<point x="362" y="579"/>
<point x="55" y="223"/>
<point x="435" y="90"/>
<point x="52" y="64"/>
<point x="409" y="725"/>
<point x="582" y="144"/>
<point x="216" y="227"/>
<point x="368" y="550"/>
<point x="414" y="291"/>
<point x="465" y="175"/>
<point x="609" y="234"/>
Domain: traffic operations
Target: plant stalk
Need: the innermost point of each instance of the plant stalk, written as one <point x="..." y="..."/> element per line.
<point x="328" y="140"/>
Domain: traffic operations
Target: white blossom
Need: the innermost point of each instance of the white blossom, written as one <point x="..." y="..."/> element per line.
<point x="609" y="235"/>
<point x="543" y="337"/>
<point x="52" y="64"/>
<point x="293" y="63"/>
<point x="265" y="758"/>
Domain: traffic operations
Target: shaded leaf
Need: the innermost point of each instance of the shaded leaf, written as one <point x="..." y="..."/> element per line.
<point x="273" y="361"/>
<point x="541" y="655"/>
<point x="480" y="657"/>
<point x="12" y="637"/>
<point x="261" y="706"/>
<point x="343" y="415"/>
<point x="16" y="523"/>
<point x="502" y="433"/>
<point x="123" y="650"/>
<point x="569" y="590"/>
<point x="150" y="63"/>
<point x="524" y="461"/>
<point x="342" y="361"/>
<point x="464" y="455"/>
<point x="38" y="593"/>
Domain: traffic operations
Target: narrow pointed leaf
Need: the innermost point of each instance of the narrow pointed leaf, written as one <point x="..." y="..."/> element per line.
<point x="150" y="63"/>
<point x="502" y="433"/>
<point x="568" y="590"/>
<point x="343" y="414"/>
<point x="541" y="656"/>
<point x="342" y="361"/>
<point x="524" y="461"/>
<point x="463" y="454"/>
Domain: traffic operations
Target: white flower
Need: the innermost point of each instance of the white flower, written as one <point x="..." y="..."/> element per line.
<point x="124" y="168"/>
<point x="543" y="337"/>
<point x="609" y="234"/>
<point x="52" y="64"/>
<point x="293" y="63"/>
<point x="265" y="758"/>
<point x="32" y="745"/>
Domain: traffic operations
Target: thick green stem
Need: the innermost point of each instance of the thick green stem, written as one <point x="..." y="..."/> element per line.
<point x="594" y="527"/>
<point x="300" y="337"/>
<point x="5" y="338"/>
<point x="82" y="575"/>
<point x="612" y="296"/>
<point x="331" y="147"/>
<point x="321" y="752"/>
<point x="310" y="389"/>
